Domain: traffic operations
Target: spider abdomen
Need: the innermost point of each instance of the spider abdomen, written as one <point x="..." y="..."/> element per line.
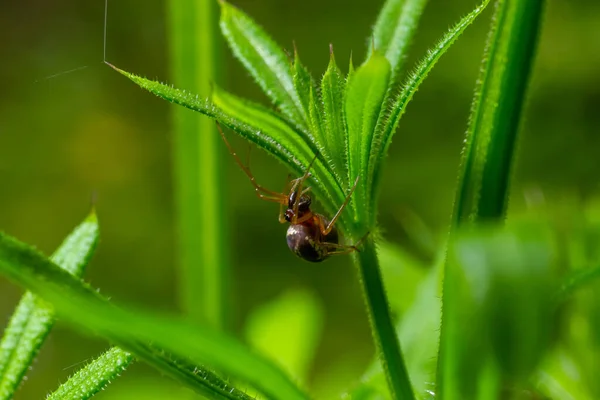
<point x="306" y="241"/>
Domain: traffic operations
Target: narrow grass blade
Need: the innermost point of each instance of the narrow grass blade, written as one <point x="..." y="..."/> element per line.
<point x="303" y="84"/>
<point x="382" y="328"/>
<point x="265" y="61"/>
<point x="94" y="377"/>
<point x="81" y="306"/>
<point x="200" y="213"/>
<point x="383" y="140"/>
<point x="483" y="188"/>
<point x="496" y="113"/>
<point x="393" y="32"/>
<point x="363" y="109"/>
<point x="30" y="324"/>
<point x="333" y="86"/>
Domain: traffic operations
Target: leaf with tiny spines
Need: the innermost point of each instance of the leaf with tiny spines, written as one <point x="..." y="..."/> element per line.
<point x="332" y="97"/>
<point x="265" y="61"/>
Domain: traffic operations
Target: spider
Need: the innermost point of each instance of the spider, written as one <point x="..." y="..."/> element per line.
<point x="310" y="236"/>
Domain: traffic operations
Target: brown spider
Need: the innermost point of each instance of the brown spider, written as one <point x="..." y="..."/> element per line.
<point x="310" y="236"/>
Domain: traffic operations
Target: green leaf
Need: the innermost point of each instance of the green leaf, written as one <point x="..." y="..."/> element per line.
<point x="334" y="126"/>
<point x="393" y="32"/>
<point x="94" y="377"/>
<point x="284" y="146"/>
<point x="502" y="282"/>
<point x="363" y="109"/>
<point x="265" y="61"/>
<point x="496" y="111"/>
<point x="383" y="140"/>
<point x="30" y="324"/>
<point x="294" y="317"/>
<point x="269" y="124"/>
<point x="303" y="84"/>
<point x="81" y="306"/>
<point x="262" y="120"/>
<point x="305" y="87"/>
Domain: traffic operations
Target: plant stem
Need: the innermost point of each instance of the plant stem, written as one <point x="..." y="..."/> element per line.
<point x="380" y="319"/>
<point x="203" y="261"/>
<point x="482" y="193"/>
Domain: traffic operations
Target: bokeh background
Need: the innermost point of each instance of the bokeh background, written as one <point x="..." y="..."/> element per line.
<point x="65" y="136"/>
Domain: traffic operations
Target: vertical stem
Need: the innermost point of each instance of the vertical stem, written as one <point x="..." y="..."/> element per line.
<point x="203" y="263"/>
<point x="482" y="194"/>
<point x="384" y="334"/>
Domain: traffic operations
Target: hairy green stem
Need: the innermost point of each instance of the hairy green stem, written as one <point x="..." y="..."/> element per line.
<point x="382" y="326"/>
<point x="203" y="261"/>
<point x="482" y="193"/>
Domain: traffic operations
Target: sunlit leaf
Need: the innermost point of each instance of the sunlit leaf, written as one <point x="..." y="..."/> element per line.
<point x="32" y="320"/>
<point x="393" y="32"/>
<point x="94" y="377"/>
<point x="363" y="108"/>
<point x="134" y="330"/>
<point x="333" y="85"/>
<point x="265" y="61"/>
<point x="382" y="142"/>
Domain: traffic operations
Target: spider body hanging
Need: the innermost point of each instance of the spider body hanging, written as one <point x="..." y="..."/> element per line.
<point x="310" y="236"/>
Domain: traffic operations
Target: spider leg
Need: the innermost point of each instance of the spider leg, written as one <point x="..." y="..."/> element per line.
<point x="326" y="229"/>
<point x="343" y="248"/>
<point x="270" y="195"/>
<point x="282" y="204"/>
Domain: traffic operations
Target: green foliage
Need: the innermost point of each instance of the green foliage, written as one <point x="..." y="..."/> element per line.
<point x="502" y="292"/>
<point x="80" y="305"/>
<point x="328" y="114"/>
<point x="364" y="108"/>
<point x="93" y="377"/>
<point x="266" y="62"/>
<point x="502" y="282"/>
<point x="482" y="196"/>
<point x="497" y="108"/>
<point x="383" y="135"/>
<point x="31" y="323"/>
<point x="346" y="125"/>
<point x="393" y="32"/>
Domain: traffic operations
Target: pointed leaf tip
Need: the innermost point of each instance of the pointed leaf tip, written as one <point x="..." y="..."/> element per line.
<point x="92" y="216"/>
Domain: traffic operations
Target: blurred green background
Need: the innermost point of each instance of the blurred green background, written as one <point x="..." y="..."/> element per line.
<point x="64" y="137"/>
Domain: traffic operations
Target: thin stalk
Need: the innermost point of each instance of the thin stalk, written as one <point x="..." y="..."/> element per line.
<point x="201" y="235"/>
<point x="482" y="193"/>
<point x="382" y="327"/>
